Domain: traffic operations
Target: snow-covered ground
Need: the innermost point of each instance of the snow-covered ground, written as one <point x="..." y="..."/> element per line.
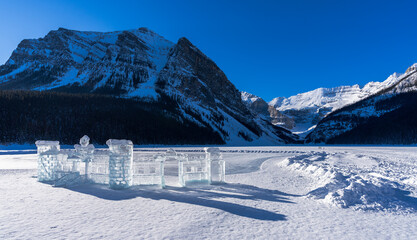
<point x="271" y="193"/>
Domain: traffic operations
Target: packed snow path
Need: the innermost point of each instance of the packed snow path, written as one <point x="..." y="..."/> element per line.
<point x="272" y="193"/>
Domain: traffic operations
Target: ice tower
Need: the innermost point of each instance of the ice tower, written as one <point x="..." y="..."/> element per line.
<point x="47" y="160"/>
<point x="120" y="163"/>
<point x="217" y="165"/>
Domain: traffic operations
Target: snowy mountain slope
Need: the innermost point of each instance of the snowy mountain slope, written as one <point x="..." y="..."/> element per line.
<point x="307" y="109"/>
<point x="142" y="65"/>
<point x="385" y="117"/>
<point x="201" y="88"/>
<point x="125" y="62"/>
<point x="406" y="82"/>
<point x="334" y="98"/>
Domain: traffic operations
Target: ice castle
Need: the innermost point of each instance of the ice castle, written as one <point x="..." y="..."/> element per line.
<point x="120" y="167"/>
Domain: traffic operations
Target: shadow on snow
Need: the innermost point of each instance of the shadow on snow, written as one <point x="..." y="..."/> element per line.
<point x="207" y="196"/>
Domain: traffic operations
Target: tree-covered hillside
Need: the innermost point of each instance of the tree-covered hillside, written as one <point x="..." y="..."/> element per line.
<point x="27" y="116"/>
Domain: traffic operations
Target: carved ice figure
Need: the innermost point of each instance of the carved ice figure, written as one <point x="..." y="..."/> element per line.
<point x="85" y="152"/>
<point x="47" y="160"/>
<point x="217" y="164"/>
<point x="120" y="163"/>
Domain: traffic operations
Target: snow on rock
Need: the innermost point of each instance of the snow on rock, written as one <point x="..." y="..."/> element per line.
<point x="301" y="113"/>
<point x="308" y="108"/>
<point x="249" y="98"/>
<point x="142" y="65"/>
<point x="266" y="112"/>
<point x="394" y="99"/>
<point x="128" y="61"/>
<point x="333" y="98"/>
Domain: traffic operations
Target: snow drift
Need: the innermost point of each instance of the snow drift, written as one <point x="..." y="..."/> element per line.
<point x="347" y="186"/>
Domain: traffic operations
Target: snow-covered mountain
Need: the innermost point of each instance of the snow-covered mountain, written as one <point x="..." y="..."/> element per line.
<point x="125" y="62"/>
<point x="388" y="116"/>
<point x="261" y="108"/>
<point x="255" y="103"/>
<point x="142" y="65"/>
<point x="307" y="109"/>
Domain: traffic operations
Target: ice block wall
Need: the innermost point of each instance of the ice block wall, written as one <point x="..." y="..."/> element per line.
<point x="99" y="168"/>
<point x="148" y="169"/>
<point x="47" y="160"/>
<point x="193" y="169"/>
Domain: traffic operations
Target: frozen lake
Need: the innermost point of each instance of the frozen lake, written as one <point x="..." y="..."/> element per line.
<point x="284" y="192"/>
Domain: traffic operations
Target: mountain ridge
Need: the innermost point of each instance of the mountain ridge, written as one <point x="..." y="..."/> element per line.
<point x="302" y="112"/>
<point x="142" y="65"/>
<point x="379" y="118"/>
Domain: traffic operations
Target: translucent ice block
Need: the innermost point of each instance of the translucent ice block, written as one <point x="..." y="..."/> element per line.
<point x="99" y="168"/>
<point x="217" y="165"/>
<point x="148" y="169"/>
<point x="47" y="160"/>
<point x="193" y="169"/>
<point x="120" y="163"/>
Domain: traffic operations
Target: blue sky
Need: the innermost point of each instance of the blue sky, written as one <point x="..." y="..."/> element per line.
<point x="269" y="48"/>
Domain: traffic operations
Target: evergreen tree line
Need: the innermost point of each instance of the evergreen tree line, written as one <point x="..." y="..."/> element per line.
<point x="27" y="116"/>
<point x="396" y="127"/>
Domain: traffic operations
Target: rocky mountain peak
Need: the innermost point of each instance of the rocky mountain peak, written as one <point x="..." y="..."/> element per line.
<point x="143" y="65"/>
<point x="147" y="30"/>
<point x="183" y="41"/>
<point x="411" y="68"/>
<point x="255" y="103"/>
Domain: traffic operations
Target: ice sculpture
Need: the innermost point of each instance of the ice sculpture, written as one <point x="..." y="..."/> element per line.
<point x="85" y="151"/>
<point x="201" y="168"/>
<point x="171" y="164"/>
<point x="170" y="155"/>
<point x="99" y="168"/>
<point x="148" y="169"/>
<point x="217" y="165"/>
<point x="67" y="170"/>
<point x="193" y="169"/>
<point x="47" y="160"/>
<point x="120" y="163"/>
<point x="121" y="168"/>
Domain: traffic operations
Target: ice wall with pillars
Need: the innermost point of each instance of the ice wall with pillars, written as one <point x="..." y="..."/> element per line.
<point x="120" y="167"/>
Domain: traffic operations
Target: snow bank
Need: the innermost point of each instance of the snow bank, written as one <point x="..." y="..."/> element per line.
<point x="345" y="187"/>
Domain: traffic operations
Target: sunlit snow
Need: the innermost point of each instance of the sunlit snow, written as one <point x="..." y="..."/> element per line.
<point x="283" y="192"/>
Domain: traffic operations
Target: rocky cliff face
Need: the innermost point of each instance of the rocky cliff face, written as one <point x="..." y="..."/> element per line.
<point x="255" y="103"/>
<point x="259" y="107"/>
<point x="142" y="65"/>
<point x="280" y="119"/>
